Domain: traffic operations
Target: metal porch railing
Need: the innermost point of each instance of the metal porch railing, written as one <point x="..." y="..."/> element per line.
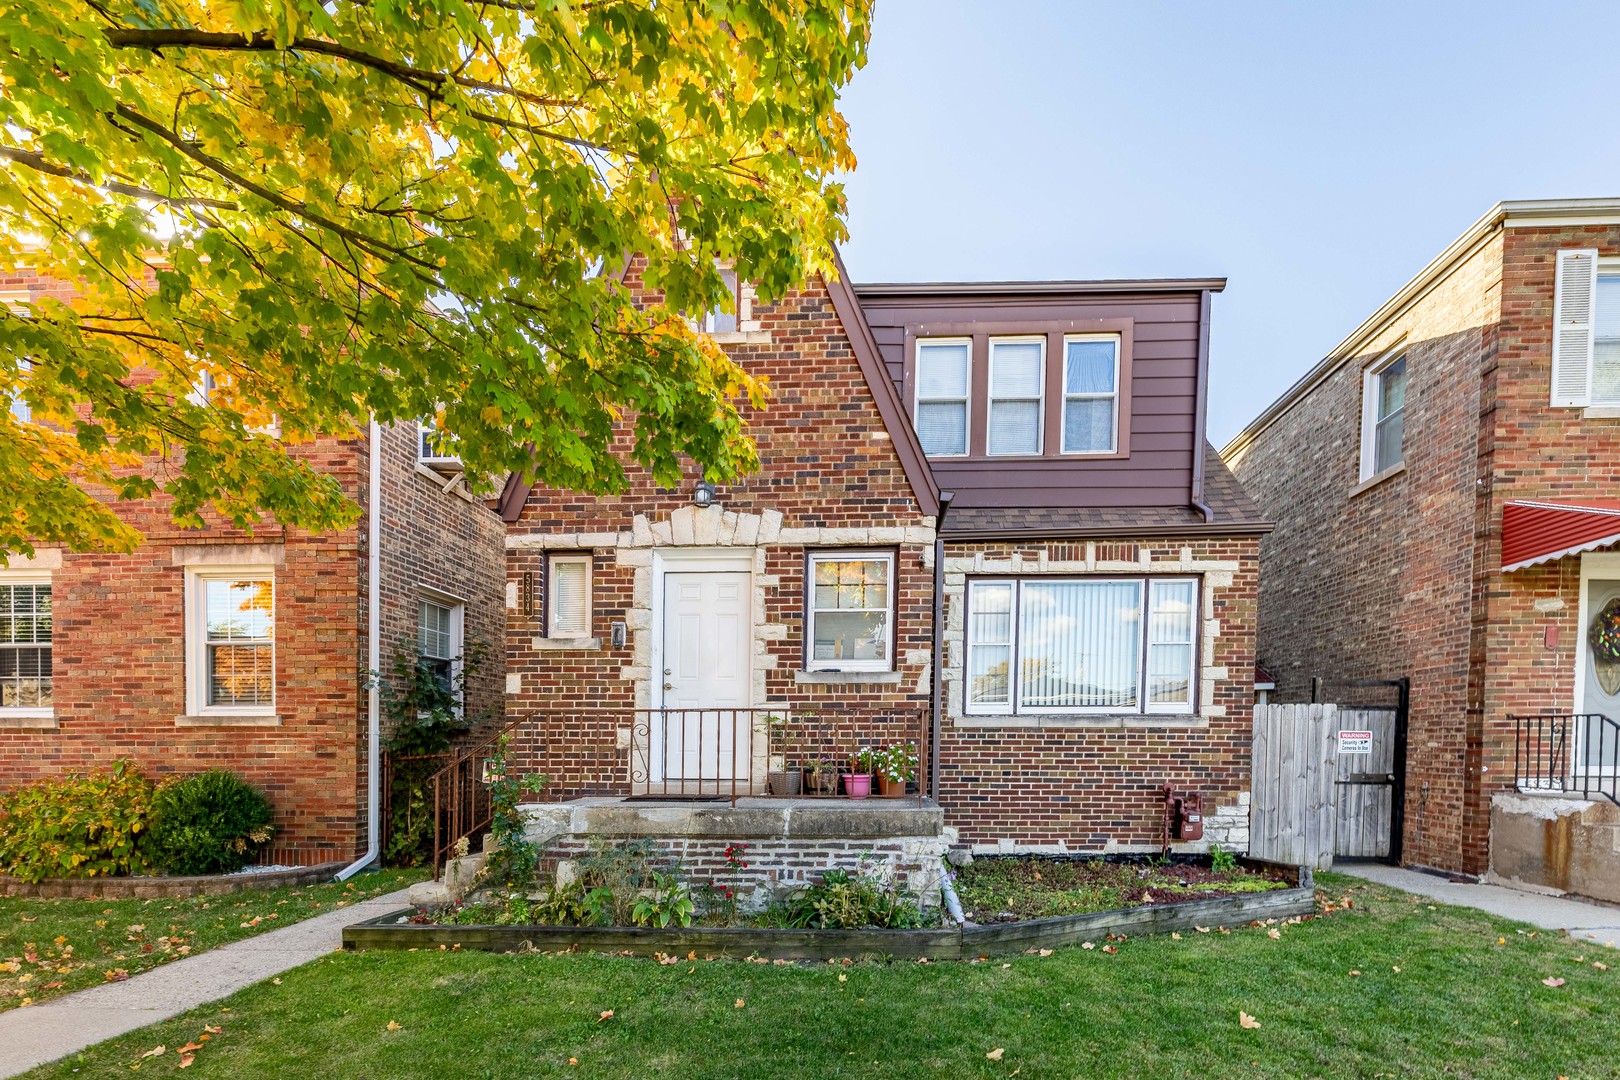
<point x="715" y="754"/>
<point x="1576" y="754"/>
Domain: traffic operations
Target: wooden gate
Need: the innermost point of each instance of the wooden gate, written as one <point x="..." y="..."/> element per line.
<point x="1292" y="811"/>
<point x="1328" y="780"/>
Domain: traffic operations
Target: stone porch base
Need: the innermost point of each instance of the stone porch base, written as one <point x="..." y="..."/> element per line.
<point x="791" y="842"/>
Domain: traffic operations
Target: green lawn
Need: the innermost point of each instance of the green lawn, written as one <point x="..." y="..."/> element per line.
<point x="53" y="947"/>
<point x="1467" y="1001"/>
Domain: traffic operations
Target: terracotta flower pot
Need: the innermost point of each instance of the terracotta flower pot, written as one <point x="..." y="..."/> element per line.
<point x="857" y="785"/>
<point x="890" y="789"/>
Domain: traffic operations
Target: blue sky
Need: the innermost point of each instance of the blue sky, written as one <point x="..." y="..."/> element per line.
<point x="1317" y="155"/>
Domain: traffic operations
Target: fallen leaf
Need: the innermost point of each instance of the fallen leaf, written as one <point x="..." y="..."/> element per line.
<point x="1397" y="968"/>
<point x="1501" y="941"/>
<point x="573" y="1061"/>
<point x="156" y="1051"/>
<point x="1046" y="952"/>
<point x="842" y="977"/>
<point x="275" y="982"/>
<point x="189" y="1047"/>
<point x="213" y="1030"/>
<point x="1110" y="949"/>
<point x="1274" y="934"/>
<point x="739" y="1003"/>
<point x="186" y="1060"/>
<point x="1552" y="982"/>
<point x="1175" y="937"/>
<point x="607" y="1014"/>
<point x="1600" y="965"/>
<point x="393" y="1025"/>
<point x="1004" y="967"/>
<point x="995" y="1055"/>
<point x="1245" y="1020"/>
<point x="692" y="955"/>
<point x="1202" y="929"/>
<point x="1355" y="973"/>
<point x="1088" y="945"/>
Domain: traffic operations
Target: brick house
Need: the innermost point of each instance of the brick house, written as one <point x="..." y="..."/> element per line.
<point x="1443" y="488"/>
<point x="1011" y="476"/>
<point x="215" y="648"/>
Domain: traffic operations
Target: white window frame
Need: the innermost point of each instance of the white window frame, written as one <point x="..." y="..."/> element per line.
<point x="458" y="630"/>
<point x="567" y="634"/>
<point x="991" y="398"/>
<point x="1606" y="268"/>
<point x="197" y="578"/>
<point x="1371" y="387"/>
<point x="1068" y="396"/>
<point x="33" y="712"/>
<point x="811" y="664"/>
<point x="1171" y="708"/>
<point x="1014" y="705"/>
<point x="424" y="428"/>
<point x="917" y="400"/>
<point x="709" y="323"/>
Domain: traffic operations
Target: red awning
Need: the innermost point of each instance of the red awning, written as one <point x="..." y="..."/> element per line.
<point x="1542" y="530"/>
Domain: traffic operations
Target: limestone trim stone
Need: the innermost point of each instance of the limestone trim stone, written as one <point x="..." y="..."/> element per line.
<point x="227" y="721"/>
<point x="1214" y="575"/>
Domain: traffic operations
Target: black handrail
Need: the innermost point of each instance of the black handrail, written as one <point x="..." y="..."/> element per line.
<point x="1574" y="754"/>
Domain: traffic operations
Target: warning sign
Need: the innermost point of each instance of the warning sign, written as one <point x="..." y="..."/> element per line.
<point x="1355" y="742"/>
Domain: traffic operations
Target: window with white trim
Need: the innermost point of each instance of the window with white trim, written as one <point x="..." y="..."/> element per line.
<point x="438" y="639"/>
<point x="1017" y="377"/>
<point x="432" y="446"/>
<point x="1383" y="416"/>
<point x="568" y="596"/>
<point x="1045" y="645"/>
<point x="1090" y="393"/>
<point x="25" y="645"/>
<point x="850" y="614"/>
<point x="941" y="413"/>
<point x="231" y="657"/>
<point x="725" y="318"/>
<point x="1586" y="330"/>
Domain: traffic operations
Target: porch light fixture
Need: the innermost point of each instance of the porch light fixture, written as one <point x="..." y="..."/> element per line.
<point x="703" y="494"/>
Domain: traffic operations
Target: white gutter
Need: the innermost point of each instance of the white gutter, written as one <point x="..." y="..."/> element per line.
<point x="373" y="648"/>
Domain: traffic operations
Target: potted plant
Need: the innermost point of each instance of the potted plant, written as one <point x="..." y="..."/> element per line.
<point x="858" y="780"/>
<point x="895" y="766"/>
<point x="784" y="779"/>
<point x="820" y="777"/>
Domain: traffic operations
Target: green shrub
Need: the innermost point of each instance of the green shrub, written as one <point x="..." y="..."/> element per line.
<point x="207" y="824"/>
<point x="842" y="900"/>
<point x="89" y="825"/>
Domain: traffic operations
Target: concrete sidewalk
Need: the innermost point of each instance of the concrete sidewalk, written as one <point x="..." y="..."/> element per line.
<point x="1584" y="920"/>
<point x="39" y="1033"/>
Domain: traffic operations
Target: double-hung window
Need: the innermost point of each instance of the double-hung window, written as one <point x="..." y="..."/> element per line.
<point x="1081" y="645"/>
<point x="942" y="396"/>
<point x="724" y="319"/>
<point x="231" y="658"/>
<point x="1090" y="394"/>
<point x="438" y="639"/>
<point x="1017" y="375"/>
<point x="25" y="645"/>
<point x="850" y="612"/>
<point x="432" y="446"/>
<point x="1383" y="410"/>
<point x="568" y="595"/>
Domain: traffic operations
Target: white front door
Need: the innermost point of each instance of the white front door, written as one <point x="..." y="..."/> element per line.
<point x="1597" y="677"/>
<point x="703" y="733"/>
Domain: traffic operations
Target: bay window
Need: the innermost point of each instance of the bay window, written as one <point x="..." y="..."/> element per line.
<point x="850" y="611"/>
<point x="1080" y="645"/>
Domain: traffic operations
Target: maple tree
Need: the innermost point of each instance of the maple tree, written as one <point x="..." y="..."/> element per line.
<point x="330" y="212"/>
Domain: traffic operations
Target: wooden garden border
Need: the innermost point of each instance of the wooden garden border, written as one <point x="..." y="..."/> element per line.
<point x="1001" y="939"/>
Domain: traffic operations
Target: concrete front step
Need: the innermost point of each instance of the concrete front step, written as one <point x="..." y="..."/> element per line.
<point x="1558" y="845"/>
<point x="751" y="818"/>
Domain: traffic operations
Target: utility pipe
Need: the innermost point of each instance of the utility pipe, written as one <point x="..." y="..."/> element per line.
<point x="373" y="648"/>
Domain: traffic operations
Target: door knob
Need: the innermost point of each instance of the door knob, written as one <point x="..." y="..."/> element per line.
<point x="669" y="686"/>
<point x="669" y="671"/>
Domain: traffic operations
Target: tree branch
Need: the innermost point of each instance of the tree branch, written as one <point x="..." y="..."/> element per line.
<point x="38" y="163"/>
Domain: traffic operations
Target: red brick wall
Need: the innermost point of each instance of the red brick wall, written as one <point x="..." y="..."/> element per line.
<point x="1377" y="583"/>
<point x="1096" y="783"/>
<point x="827" y="464"/>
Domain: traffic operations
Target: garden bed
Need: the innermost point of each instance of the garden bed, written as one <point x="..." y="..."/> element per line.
<point x="1013" y="888"/>
<point x="407" y="929"/>
<point x="165" y="888"/>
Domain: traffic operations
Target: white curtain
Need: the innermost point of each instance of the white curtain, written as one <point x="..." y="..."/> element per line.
<point x="1079" y="644"/>
<point x="1015" y="397"/>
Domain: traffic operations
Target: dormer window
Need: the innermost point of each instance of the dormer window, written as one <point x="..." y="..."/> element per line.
<point x="1017" y="376"/>
<point x="1090" y="394"/>
<point x="942" y="396"/>
<point x="432" y="449"/>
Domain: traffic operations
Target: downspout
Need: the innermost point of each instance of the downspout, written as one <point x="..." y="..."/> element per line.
<point x="939" y="648"/>
<point x="373" y="648"/>
<point x="1200" y="408"/>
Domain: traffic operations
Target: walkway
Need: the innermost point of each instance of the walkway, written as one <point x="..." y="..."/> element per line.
<point x="1583" y="919"/>
<point x="39" y="1033"/>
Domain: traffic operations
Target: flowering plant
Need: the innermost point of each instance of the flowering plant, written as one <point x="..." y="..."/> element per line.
<point x="1604" y="636"/>
<point x="897" y="763"/>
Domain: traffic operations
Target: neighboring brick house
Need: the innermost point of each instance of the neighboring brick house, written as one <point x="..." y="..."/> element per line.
<point x="214" y="648"/>
<point x="1443" y="484"/>
<point x="1059" y="527"/>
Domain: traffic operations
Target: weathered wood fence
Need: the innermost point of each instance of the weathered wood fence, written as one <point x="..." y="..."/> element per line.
<point x="1311" y="802"/>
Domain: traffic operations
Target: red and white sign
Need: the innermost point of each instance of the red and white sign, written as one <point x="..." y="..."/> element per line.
<point x="1355" y="742"/>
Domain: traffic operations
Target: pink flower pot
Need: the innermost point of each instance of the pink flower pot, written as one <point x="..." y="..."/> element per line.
<point x="857" y="785"/>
